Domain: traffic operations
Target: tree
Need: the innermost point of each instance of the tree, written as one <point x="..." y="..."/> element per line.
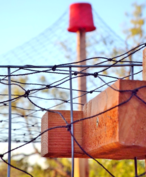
<point x="119" y="168"/>
<point x="135" y="30"/>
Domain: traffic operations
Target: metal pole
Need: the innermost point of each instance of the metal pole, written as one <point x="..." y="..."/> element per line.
<point x="132" y="72"/>
<point x="71" y="114"/>
<point x="135" y="159"/>
<point x="144" y="78"/>
<point x="9" y="133"/>
<point x="135" y="165"/>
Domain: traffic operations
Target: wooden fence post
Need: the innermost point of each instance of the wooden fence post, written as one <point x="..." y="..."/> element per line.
<point x="81" y="165"/>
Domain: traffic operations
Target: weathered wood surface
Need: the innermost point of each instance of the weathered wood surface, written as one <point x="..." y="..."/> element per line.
<point x="81" y="55"/>
<point x="81" y="165"/>
<point x="57" y="142"/>
<point x="119" y="133"/>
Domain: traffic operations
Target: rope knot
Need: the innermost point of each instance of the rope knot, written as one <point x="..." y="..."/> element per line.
<point x="1" y="155"/>
<point x="48" y="86"/>
<point x="95" y="74"/>
<point x="91" y="92"/>
<point x="135" y="91"/>
<point x="75" y="73"/>
<point x="26" y="93"/>
<point x="68" y="127"/>
<point x="54" y="68"/>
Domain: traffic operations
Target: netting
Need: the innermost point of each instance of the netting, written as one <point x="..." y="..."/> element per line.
<point x="39" y="83"/>
<point x="57" y="45"/>
<point x="33" y="95"/>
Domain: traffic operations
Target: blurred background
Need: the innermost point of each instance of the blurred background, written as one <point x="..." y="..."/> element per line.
<point x="35" y="33"/>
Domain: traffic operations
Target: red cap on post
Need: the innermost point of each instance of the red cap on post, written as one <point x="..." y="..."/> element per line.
<point x="81" y="17"/>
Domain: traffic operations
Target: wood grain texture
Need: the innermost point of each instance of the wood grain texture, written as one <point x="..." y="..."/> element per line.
<point x="81" y="165"/>
<point x="121" y="131"/>
<point x="81" y="55"/>
<point x="118" y="133"/>
<point x="57" y="142"/>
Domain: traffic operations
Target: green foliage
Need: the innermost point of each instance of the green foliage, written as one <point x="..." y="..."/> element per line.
<point x="43" y="79"/>
<point x="15" y="173"/>
<point x="135" y="30"/>
<point x="55" y="168"/>
<point x="59" y="166"/>
<point x="119" y="168"/>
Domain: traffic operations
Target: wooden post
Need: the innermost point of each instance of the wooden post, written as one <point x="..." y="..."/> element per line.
<point x="144" y="78"/>
<point x="81" y="165"/>
<point x="81" y="55"/>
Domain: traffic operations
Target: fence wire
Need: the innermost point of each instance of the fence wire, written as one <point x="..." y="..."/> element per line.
<point x="37" y="89"/>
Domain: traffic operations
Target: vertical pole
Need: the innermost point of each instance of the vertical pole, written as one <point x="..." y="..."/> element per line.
<point x="72" y="131"/>
<point x="144" y="64"/>
<point x="81" y="55"/>
<point x="81" y="165"/>
<point x="132" y="72"/>
<point x="144" y="78"/>
<point x="135" y="165"/>
<point x="9" y="133"/>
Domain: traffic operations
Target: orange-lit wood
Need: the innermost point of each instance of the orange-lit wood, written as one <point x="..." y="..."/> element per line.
<point x="116" y="134"/>
<point x="57" y="142"/>
<point x="81" y="165"/>
<point x="120" y="132"/>
<point x="81" y="55"/>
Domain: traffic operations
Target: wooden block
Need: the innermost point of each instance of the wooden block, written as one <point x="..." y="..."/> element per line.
<point x="57" y="142"/>
<point x="116" y="134"/>
<point x="120" y="132"/>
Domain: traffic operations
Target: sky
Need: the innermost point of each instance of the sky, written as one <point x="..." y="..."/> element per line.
<point x="22" y="20"/>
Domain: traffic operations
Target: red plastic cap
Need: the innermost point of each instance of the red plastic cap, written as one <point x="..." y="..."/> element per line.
<point x="81" y="17"/>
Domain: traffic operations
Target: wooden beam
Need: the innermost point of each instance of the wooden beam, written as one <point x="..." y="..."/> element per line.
<point x="118" y="133"/>
<point x="115" y="134"/>
<point x="57" y="143"/>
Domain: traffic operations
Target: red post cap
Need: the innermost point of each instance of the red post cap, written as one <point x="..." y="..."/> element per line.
<point x="81" y="17"/>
